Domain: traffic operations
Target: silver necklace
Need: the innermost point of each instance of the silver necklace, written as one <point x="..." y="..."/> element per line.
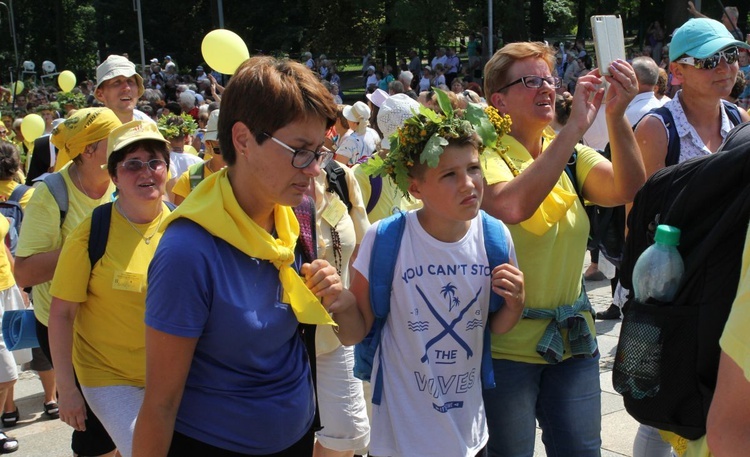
<point x="146" y="239"/>
<point x="78" y="177"/>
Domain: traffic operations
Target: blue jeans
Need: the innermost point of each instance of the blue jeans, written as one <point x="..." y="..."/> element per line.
<point x="565" y="398"/>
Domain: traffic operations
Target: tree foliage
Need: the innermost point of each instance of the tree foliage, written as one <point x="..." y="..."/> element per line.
<point x="77" y="34"/>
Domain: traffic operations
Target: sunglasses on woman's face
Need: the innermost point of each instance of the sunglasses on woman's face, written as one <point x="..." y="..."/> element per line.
<point x="135" y="165"/>
<point x="709" y="63"/>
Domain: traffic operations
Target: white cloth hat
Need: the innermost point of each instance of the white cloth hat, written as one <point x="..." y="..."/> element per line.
<point x="358" y="112"/>
<point x="116" y="66"/>
<point x="392" y="115"/>
<point x="378" y="97"/>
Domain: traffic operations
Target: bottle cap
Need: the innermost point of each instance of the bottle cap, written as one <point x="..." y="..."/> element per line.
<point x="666" y="234"/>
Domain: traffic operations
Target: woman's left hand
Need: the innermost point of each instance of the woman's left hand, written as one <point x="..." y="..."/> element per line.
<point x="623" y="87"/>
<point x="322" y="280"/>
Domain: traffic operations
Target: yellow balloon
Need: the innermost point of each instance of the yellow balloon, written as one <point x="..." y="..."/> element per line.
<point x="19" y="87"/>
<point x="66" y="80"/>
<point x="32" y="127"/>
<point x="224" y="50"/>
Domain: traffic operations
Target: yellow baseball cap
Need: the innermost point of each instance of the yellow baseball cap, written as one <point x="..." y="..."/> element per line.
<point x="131" y="132"/>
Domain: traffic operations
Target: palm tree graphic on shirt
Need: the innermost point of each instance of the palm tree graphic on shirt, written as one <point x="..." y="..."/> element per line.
<point x="449" y="293"/>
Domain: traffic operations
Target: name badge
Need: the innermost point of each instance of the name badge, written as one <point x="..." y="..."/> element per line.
<point x="129" y="282"/>
<point x="334" y="211"/>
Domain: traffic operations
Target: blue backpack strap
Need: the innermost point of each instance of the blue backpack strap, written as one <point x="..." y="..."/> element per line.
<point x="99" y="233"/>
<point x="18" y="193"/>
<point x="496" y="246"/>
<point x="56" y="185"/>
<point x="673" y="146"/>
<point x="382" y="266"/>
<point x="733" y="113"/>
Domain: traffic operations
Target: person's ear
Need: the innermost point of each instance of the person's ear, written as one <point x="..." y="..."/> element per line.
<point x="242" y="138"/>
<point x="498" y="101"/>
<point x="415" y="188"/>
<point x="677" y="74"/>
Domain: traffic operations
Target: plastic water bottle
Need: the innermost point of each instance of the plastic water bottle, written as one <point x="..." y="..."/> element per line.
<point x="659" y="270"/>
<point x="656" y="276"/>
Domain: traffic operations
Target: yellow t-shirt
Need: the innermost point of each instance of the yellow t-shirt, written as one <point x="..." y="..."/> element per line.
<point x="109" y="346"/>
<point x="42" y="232"/>
<point x="7" y="188"/>
<point x="391" y="199"/>
<point x="351" y="229"/>
<point x="182" y="185"/>
<point x="552" y="263"/>
<point x="6" y="273"/>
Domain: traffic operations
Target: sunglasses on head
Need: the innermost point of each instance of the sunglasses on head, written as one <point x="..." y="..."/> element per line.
<point x="135" y="165"/>
<point x="709" y="63"/>
<point x="535" y="82"/>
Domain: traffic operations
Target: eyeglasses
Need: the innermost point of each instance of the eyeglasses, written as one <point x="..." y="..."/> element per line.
<point x="535" y="82"/>
<point x="709" y="63"/>
<point x="302" y="158"/>
<point x="135" y="165"/>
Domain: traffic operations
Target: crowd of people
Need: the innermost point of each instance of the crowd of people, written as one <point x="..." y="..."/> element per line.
<point x="265" y="228"/>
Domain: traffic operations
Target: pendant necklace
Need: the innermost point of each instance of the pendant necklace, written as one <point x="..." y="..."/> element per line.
<point x="146" y="239"/>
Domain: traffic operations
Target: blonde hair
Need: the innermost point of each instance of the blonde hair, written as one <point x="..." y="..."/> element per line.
<point x="496" y="70"/>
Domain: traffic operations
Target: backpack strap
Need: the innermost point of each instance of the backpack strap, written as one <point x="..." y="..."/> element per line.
<point x="382" y="266"/>
<point x="496" y="246"/>
<point x="18" y="193"/>
<point x="570" y="170"/>
<point x="101" y="219"/>
<point x="376" y="188"/>
<point x="196" y="173"/>
<point x="56" y="185"/>
<point x="733" y="113"/>
<point x="336" y="178"/>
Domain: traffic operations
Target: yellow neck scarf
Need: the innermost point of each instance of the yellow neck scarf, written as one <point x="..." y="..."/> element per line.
<point x="213" y="206"/>
<point x="555" y="204"/>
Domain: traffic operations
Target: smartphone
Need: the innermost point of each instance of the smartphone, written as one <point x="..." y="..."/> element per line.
<point x="609" y="41"/>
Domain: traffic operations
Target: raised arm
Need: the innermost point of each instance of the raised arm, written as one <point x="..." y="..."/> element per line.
<point x="517" y="200"/>
<point x="616" y="183"/>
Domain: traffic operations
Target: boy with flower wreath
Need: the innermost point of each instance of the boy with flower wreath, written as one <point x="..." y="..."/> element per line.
<point x="432" y="342"/>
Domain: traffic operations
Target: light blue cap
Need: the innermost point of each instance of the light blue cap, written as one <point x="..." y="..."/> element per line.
<point x="701" y="38"/>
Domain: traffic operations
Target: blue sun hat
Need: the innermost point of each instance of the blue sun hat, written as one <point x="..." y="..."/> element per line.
<point x="701" y="38"/>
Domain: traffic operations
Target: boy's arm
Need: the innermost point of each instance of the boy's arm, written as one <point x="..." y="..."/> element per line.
<point x="508" y="282"/>
<point x="352" y="311"/>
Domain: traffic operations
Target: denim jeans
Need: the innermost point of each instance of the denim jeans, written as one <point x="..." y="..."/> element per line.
<point x="565" y="398"/>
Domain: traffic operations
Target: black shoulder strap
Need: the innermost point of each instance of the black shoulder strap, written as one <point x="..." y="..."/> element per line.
<point x="336" y="177"/>
<point x="570" y="170"/>
<point x="100" y="222"/>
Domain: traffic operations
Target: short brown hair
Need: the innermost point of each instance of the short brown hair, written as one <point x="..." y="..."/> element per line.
<point x="266" y="94"/>
<point x="496" y="70"/>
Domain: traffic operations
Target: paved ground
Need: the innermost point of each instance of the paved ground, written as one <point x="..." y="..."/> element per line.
<point x="39" y="436"/>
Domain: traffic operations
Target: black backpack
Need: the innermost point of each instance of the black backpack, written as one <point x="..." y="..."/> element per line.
<point x="668" y="353"/>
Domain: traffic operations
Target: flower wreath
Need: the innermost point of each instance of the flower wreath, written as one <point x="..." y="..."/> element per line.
<point x="423" y="138"/>
<point x="188" y="126"/>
